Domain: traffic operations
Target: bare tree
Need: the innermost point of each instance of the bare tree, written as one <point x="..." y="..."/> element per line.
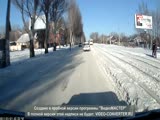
<point x="156" y="23"/>
<point x="16" y="27"/>
<point x="59" y="27"/>
<point x="145" y="34"/>
<point x="66" y="30"/>
<point x="94" y="36"/>
<point x="29" y="8"/>
<point x="116" y="36"/>
<point x="101" y="38"/>
<point x="66" y="36"/>
<point x="124" y="39"/>
<point x="14" y="35"/>
<point x="71" y="13"/>
<point x="83" y="38"/>
<point x="75" y="21"/>
<point x="46" y="6"/>
<point x="58" y="8"/>
<point x="25" y="27"/>
<point x="142" y="9"/>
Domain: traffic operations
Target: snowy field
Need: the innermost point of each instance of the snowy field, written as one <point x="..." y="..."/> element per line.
<point x="134" y="73"/>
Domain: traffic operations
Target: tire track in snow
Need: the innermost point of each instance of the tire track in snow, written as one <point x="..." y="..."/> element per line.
<point x="135" y="66"/>
<point x="147" y="68"/>
<point x="142" y="85"/>
<point x="149" y="59"/>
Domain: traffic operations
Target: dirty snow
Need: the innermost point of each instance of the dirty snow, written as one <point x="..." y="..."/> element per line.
<point x="134" y="72"/>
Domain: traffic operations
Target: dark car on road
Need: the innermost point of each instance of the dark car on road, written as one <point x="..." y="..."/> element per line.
<point x="80" y="44"/>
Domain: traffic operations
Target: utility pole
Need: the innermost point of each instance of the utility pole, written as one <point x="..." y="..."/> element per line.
<point x="8" y="28"/>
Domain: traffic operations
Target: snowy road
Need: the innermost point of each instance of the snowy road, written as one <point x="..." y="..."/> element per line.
<point x="107" y="75"/>
<point x="62" y="77"/>
<point x="135" y="73"/>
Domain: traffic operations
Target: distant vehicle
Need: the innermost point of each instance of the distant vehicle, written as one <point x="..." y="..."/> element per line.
<point x="80" y="45"/>
<point x="91" y="43"/>
<point x="86" y="48"/>
<point x="86" y="43"/>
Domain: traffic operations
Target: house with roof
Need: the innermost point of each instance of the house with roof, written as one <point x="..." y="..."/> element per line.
<point x="22" y="42"/>
<point x="111" y="39"/>
<point x="39" y="38"/>
<point x="40" y="27"/>
<point x="139" y="41"/>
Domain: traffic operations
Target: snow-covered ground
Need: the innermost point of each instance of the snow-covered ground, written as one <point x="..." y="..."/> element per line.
<point x="134" y="73"/>
<point x="62" y="77"/>
<point x="21" y="59"/>
<point x="18" y="56"/>
<point x="131" y="74"/>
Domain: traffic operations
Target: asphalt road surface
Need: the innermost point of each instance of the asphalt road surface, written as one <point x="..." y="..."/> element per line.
<point x="64" y="77"/>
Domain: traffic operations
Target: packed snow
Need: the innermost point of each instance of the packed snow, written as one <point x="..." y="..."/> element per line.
<point x="134" y="73"/>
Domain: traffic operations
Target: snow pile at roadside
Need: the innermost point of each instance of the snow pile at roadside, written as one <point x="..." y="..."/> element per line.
<point x="126" y="80"/>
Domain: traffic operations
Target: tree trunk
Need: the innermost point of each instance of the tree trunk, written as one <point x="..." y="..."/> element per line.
<point x="31" y="36"/>
<point x="55" y="40"/>
<point x="70" y="36"/>
<point x="46" y="35"/>
<point x="6" y="55"/>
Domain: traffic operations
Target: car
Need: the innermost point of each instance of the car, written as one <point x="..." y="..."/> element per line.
<point x="91" y="43"/>
<point x="86" y="48"/>
<point x="86" y="43"/>
<point x="80" y="45"/>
